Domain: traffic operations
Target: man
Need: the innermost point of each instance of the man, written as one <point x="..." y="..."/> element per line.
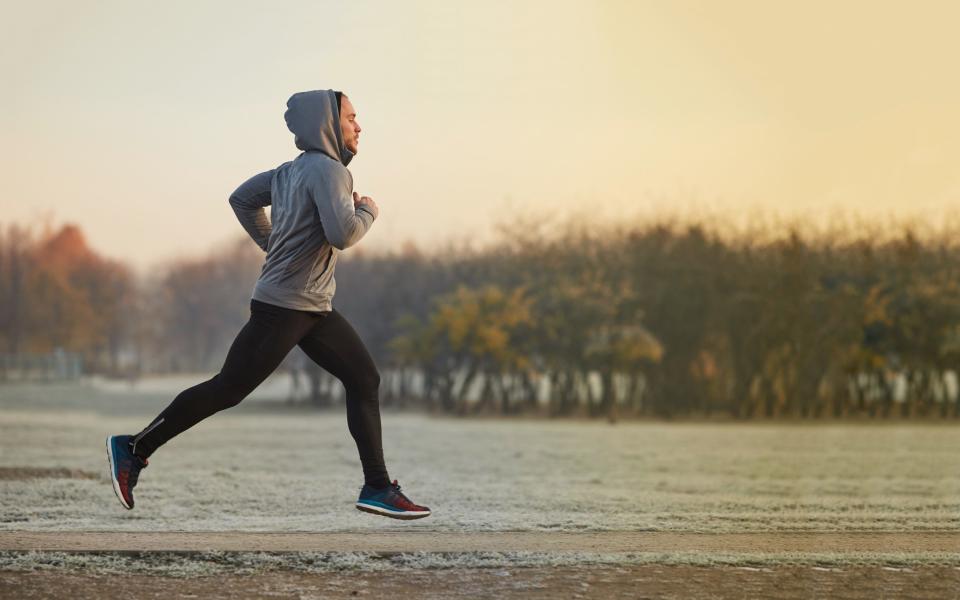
<point x="315" y="215"/>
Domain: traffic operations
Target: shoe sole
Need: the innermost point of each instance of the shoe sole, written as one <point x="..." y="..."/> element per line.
<point x="113" y="471"/>
<point x="383" y="512"/>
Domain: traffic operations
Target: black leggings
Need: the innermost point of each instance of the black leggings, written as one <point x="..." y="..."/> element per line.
<point x="272" y="331"/>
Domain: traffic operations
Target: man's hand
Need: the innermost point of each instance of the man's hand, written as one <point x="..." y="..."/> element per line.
<point x="358" y="200"/>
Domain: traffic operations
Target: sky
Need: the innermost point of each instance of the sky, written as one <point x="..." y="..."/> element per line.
<point x="135" y="119"/>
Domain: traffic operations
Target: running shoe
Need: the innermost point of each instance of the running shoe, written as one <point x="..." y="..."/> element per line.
<point x="124" y="467"/>
<point x="390" y="502"/>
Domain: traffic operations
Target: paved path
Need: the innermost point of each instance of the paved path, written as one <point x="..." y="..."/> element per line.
<point x="387" y="543"/>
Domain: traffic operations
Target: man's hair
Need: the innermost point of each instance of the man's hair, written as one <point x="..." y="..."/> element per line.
<point x="339" y="95"/>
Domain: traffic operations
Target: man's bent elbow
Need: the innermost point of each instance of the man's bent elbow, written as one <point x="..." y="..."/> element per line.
<point x="338" y="242"/>
<point x="345" y="239"/>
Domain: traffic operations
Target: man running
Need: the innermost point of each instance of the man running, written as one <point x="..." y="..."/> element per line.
<point x="315" y="214"/>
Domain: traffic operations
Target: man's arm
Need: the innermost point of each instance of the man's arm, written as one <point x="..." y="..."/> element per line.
<point x="248" y="202"/>
<point x="332" y="193"/>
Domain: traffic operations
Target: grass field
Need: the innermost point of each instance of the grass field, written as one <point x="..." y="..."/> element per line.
<point x="271" y="467"/>
<point x="264" y="466"/>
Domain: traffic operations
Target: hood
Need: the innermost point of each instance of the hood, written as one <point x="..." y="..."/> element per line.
<point x="313" y="118"/>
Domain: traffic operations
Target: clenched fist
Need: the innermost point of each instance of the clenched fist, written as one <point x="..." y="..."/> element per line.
<point x="358" y="200"/>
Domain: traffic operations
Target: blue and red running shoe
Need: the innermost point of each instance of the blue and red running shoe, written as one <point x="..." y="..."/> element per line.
<point x="124" y="467"/>
<point x="390" y="502"/>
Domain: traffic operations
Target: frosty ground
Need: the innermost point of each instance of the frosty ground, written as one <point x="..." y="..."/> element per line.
<point x="266" y="466"/>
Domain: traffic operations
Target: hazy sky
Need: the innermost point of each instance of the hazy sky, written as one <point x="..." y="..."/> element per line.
<point x="137" y="119"/>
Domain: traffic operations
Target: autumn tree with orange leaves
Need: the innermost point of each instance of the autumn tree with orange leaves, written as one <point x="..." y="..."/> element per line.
<point x="58" y="293"/>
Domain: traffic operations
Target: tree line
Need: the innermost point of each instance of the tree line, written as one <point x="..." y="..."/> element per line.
<point x="668" y="318"/>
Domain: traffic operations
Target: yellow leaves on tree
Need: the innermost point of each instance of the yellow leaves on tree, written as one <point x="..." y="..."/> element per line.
<point x="484" y="325"/>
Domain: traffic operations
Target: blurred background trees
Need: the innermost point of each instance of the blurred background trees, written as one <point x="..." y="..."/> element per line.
<point x="666" y="319"/>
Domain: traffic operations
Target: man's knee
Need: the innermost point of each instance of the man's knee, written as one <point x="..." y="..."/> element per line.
<point x="367" y="382"/>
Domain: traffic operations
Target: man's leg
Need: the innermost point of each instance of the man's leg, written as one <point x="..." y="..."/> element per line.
<point x="258" y="349"/>
<point x="333" y="344"/>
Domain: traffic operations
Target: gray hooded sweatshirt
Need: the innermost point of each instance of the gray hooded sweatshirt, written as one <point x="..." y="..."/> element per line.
<point x="313" y="216"/>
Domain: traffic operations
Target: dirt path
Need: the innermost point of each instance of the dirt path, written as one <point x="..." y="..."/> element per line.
<point x="642" y="581"/>
<point x="387" y="543"/>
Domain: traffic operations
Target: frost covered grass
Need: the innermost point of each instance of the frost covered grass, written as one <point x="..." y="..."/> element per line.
<point x="268" y="467"/>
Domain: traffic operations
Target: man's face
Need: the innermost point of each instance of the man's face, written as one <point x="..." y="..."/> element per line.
<point x="349" y="125"/>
